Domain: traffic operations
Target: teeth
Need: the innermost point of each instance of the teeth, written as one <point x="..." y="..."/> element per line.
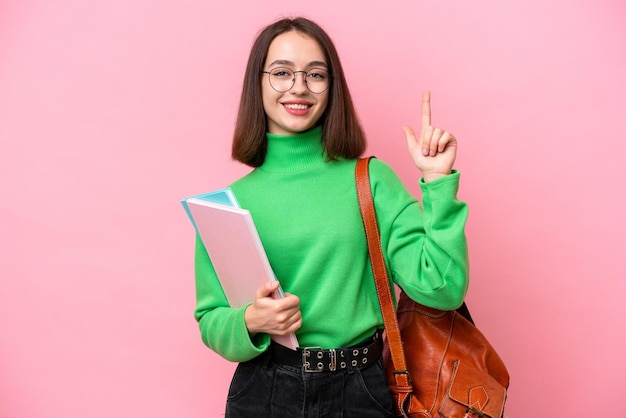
<point x="297" y="106"/>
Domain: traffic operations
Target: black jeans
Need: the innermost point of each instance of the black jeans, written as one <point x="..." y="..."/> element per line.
<point x="261" y="388"/>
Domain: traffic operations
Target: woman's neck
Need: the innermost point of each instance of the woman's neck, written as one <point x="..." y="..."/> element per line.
<point x="294" y="152"/>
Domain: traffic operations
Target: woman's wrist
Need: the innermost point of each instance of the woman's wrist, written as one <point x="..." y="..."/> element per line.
<point x="433" y="176"/>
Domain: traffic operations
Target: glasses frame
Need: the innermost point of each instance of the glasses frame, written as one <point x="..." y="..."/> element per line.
<point x="293" y="80"/>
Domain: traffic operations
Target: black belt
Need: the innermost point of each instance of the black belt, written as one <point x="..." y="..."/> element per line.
<point x="315" y="359"/>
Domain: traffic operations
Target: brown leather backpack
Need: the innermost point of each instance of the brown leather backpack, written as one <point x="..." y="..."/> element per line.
<point x="438" y="363"/>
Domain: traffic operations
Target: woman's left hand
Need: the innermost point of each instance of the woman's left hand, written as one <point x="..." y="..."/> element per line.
<point x="435" y="150"/>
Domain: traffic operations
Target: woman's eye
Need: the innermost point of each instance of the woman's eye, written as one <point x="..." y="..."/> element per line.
<point x="281" y="73"/>
<point x="316" y="75"/>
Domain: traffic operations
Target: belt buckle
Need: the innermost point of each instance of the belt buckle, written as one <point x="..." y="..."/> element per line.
<point x="333" y="360"/>
<point x="306" y="364"/>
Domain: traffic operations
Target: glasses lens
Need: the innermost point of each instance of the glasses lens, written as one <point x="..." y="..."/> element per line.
<point x="283" y="79"/>
<point x="317" y="80"/>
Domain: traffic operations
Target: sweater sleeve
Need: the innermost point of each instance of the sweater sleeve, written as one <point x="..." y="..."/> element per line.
<point x="425" y="245"/>
<point x="223" y="329"/>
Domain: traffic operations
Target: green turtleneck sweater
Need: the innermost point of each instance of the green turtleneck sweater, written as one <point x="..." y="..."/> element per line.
<point x="307" y="215"/>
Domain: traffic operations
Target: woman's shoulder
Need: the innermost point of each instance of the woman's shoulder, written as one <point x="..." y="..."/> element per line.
<point x="390" y="194"/>
<point x="381" y="171"/>
<point x="251" y="176"/>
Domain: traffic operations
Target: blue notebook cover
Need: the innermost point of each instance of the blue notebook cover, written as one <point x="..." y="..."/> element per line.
<point x="224" y="197"/>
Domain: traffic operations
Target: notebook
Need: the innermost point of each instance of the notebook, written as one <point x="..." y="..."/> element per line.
<point x="233" y="244"/>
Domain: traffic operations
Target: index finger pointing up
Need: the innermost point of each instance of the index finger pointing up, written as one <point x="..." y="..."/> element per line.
<point x="426" y="109"/>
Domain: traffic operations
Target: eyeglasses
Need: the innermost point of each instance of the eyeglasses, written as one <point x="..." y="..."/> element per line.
<point x="282" y="80"/>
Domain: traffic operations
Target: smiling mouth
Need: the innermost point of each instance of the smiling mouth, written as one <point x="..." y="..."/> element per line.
<point x="297" y="106"/>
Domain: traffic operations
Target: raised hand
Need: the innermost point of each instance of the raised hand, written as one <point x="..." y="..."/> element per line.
<point x="273" y="316"/>
<point x="435" y="150"/>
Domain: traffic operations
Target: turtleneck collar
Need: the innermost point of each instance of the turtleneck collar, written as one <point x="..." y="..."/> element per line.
<point x="288" y="153"/>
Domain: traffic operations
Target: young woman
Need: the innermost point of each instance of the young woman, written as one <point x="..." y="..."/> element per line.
<point x="299" y="131"/>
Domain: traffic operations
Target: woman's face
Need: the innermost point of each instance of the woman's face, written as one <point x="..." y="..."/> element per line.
<point x="296" y="110"/>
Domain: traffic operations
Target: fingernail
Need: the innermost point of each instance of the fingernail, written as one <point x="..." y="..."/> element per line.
<point x="425" y="151"/>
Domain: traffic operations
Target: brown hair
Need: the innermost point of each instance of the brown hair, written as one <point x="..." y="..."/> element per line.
<point x="342" y="135"/>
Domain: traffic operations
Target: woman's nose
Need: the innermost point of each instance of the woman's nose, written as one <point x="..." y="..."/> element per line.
<point x="299" y="83"/>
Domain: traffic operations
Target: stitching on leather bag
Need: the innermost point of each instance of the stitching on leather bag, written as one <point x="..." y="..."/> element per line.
<point x="448" y="397"/>
<point x="493" y="399"/>
<point x="441" y="362"/>
<point x="440" y="314"/>
<point x="480" y="406"/>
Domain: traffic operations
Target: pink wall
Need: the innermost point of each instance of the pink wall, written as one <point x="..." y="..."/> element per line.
<point x="111" y="111"/>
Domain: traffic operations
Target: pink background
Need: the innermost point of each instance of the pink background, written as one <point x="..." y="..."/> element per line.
<point x="111" y="111"/>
